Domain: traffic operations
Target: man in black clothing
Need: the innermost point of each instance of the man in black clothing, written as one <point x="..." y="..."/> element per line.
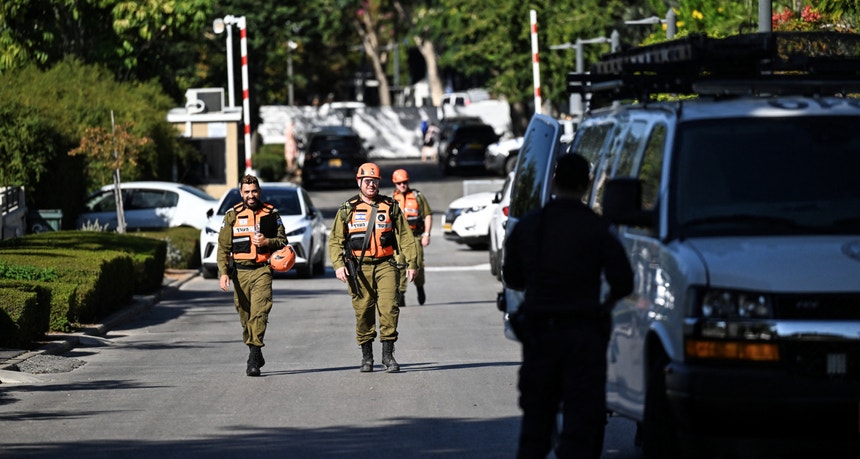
<point x="557" y="255"/>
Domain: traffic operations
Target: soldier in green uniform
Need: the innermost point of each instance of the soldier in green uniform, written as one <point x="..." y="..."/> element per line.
<point x="363" y="241"/>
<point x="250" y="232"/>
<point x="414" y="205"/>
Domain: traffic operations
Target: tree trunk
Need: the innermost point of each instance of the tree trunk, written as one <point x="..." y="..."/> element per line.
<point x="428" y="50"/>
<point x="370" y="41"/>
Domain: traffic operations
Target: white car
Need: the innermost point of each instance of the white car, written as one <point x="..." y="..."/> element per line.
<point x="148" y="205"/>
<point x="467" y="220"/>
<point x="304" y="224"/>
<point x="497" y="227"/>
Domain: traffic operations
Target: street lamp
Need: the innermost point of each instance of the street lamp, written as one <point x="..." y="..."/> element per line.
<point x="615" y="42"/>
<point x="291" y="46"/>
<point x="670" y="21"/>
<point x="218" y="26"/>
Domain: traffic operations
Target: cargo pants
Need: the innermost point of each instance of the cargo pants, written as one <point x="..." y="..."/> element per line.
<point x="378" y="282"/>
<point x="419" y="273"/>
<point x="252" y="294"/>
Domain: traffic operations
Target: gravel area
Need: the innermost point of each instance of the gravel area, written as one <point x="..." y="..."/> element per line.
<point x="42" y="363"/>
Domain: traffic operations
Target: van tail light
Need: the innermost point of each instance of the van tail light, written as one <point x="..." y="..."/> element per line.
<point x="505" y="210"/>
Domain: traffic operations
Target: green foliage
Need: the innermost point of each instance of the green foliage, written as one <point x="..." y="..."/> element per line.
<point x="182" y="246"/>
<point x="96" y="273"/>
<point x="269" y="162"/>
<point x="26" y="272"/>
<point x="47" y="113"/>
<point x="24" y="313"/>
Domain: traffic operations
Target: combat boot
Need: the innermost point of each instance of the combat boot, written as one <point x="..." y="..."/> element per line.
<point x="421" y="296"/>
<point x="388" y="361"/>
<point x="253" y="364"/>
<point x="367" y="357"/>
<point x="401" y="299"/>
<point x="258" y="352"/>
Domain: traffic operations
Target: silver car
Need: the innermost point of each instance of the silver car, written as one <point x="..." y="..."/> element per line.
<point x="306" y="230"/>
<point x="148" y="205"/>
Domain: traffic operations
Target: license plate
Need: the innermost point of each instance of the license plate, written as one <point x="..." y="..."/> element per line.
<point x="335" y="162"/>
<point x="446" y="227"/>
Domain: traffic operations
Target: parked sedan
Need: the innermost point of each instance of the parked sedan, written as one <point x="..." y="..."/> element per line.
<point x="467" y="220"/>
<point x="498" y="222"/>
<point x="306" y="230"/>
<point x="148" y="205"/>
<point x="331" y="154"/>
<point x="463" y="144"/>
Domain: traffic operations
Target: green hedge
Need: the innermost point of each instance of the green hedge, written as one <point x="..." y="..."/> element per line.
<point x="96" y="273"/>
<point x="270" y="163"/>
<point x="24" y="315"/>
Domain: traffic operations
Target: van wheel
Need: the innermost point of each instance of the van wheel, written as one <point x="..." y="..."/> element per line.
<point x="656" y="432"/>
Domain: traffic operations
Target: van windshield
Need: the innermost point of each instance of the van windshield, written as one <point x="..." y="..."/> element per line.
<point x="768" y="176"/>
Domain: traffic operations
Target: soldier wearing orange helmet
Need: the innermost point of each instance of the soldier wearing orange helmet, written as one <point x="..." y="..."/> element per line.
<point x="368" y="227"/>
<point x="420" y="218"/>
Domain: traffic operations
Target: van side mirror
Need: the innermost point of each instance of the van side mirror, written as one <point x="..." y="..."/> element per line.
<point x="622" y="203"/>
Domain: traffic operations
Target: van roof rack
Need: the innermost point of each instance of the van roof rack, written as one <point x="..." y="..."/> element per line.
<point x="766" y="63"/>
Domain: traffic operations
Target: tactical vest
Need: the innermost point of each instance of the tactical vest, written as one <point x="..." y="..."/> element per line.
<point x="409" y="204"/>
<point x="382" y="239"/>
<point x="243" y="230"/>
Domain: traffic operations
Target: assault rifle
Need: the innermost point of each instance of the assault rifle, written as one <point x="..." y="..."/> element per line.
<point x="352" y="267"/>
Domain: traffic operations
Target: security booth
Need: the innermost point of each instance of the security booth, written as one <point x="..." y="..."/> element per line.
<point x="215" y="130"/>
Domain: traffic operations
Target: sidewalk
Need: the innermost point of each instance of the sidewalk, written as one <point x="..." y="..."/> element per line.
<point x="58" y="343"/>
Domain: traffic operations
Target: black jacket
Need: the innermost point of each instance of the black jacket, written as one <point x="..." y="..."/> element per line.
<point x="557" y="255"/>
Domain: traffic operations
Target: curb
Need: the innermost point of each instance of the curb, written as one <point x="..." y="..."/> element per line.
<point x="64" y="342"/>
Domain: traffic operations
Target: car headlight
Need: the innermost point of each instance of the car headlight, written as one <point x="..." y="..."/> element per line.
<point x="731" y="325"/>
<point x="297" y="231"/>
<point x="469" y="210"/>
<point x="210" y="231"/>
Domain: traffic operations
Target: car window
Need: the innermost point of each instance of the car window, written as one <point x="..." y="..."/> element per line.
<point x="151" y="199"/>
<point x="103" y="201"/>
<point x="652" y="166"/>
<point x="342" y="144"/>
<point x="286" y="201"/>
<point x="535" y="155"/>
<point x="484" y="134"/>
<point x="589" y="143"/>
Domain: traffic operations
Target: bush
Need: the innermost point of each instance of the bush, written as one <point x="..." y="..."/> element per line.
<point x="24" y="315"/>
<point x="182" y="245"/>
<point x="96" y="273"/>
<point x="269" y="162"/>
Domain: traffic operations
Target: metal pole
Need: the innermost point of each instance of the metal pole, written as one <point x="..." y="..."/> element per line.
<point x="671" y="24"/>
<point x="246" y="108"/>
<point x="535" y="61"/>
<point x="230" y="90"/>
<point x="765" y="15"/>
<point x="290" y="45"/>
<point x="576" y="109"/>
<point x="615" y="40"/>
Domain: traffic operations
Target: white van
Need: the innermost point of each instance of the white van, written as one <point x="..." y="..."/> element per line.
<point x="741" y="217"/>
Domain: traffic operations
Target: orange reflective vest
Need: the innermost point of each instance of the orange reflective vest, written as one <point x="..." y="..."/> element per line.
<point x="409" y="204"/>
<point x="243" y="230"/>
<point x="382" y="239"/>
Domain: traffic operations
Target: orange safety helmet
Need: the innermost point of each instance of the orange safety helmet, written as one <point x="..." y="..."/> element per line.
<point x="368" y="170"/>
<point x="400" y="175"/>
<point x="283" y="259"/>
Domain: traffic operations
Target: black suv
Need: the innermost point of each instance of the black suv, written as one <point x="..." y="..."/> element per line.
<point x="463" y="143"/>
<point x="331" y="154"/>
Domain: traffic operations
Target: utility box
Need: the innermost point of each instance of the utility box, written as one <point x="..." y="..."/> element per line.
<point x="42" y="220"/>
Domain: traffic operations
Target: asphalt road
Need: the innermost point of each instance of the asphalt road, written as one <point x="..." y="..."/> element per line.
<point x="170" y="382"/>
